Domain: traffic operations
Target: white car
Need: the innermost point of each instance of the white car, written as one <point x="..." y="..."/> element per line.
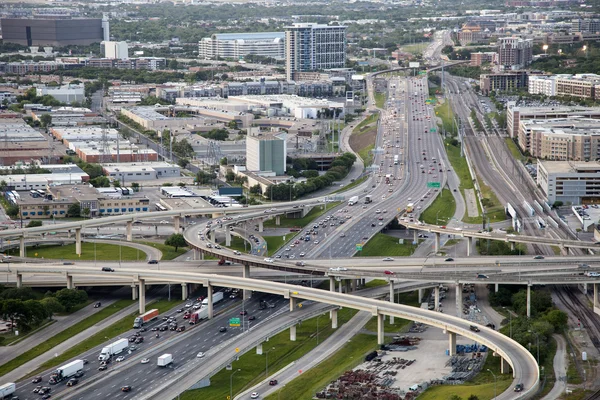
<point x="164" y="222"/>
<point x="388" y="259"/>
<point x="237" y="253"/>
<point x="200" y="355"/>
<point x="254" y="395"/>
<point x="378" y="211"/>
<point x="188" y="305"/>
<point x="145" y="360"/>
<point x="120" y="358"/>
<point x="269" y="260"/>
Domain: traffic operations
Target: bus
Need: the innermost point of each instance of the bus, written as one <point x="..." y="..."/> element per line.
<point x="160" y="207"/>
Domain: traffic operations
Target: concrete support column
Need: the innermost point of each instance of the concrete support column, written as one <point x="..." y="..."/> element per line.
<point x="293" y="333"/>
<point x="379" y="328"/>
<point x="246" y="274"/>
<point x="184" y="291"/>
<point x="595" y="294"/>
<point x="142" y="295"/>
<point x="22" y="246"/>
<point x="261" y="227"/>
<point x="421" y="293"/>
<point x="176" y="224"/>
<point x="227" y="237"/>
<point x="504" y="366"/>
<point x="469" y="246"/>
<point x="436" y="295"/>
<point x="196" y="254"/>
<point x="278" y="220"/>
<point x="496" y="286"/>
<point x="211" y="312"/>
<point x="340" y="286"/>
<point x="459" y="300"/>
<point x="584" y="288"/>
<point x="332" y="284"/>
<point x="78" y="241"/>
<point x="415" y="235"/>
<point x="512" y="246"/>
<point x="452" y="343"/>
<point x="392" y="298"/>
<point x="347" y="284"/>
<point x="436" y="240"/>
<point x="293" y="302"/>
<point x="334" y="321"/>
<point x="259" y="349"/>
<point x="528" y="301"/>
<point x="129" y="231"/>
<point x="201" y="255"/>
<point x="70" y="282"/>
<point x="134" y="291"/>
<point x="20" y="281"/>
<point x="353" y="285"/>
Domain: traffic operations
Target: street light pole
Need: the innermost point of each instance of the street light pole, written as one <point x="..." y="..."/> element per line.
<point x="267" y="362"/>
<point x="231" y="383"/>
<point x="495" y="381"/>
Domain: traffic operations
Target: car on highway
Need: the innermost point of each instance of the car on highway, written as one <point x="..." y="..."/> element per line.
<point x="72" y="382"/>
<point x="107" y="269"/>
<point x="37" y="379"/>
<point x="222" y="329"/>
<point x="44" y="397"/>
<point x="482" y="276"/>
<point x="538" y="257"/>
<point x="388" y="259"/>
<point x="145" y="360"/>
<point x="126" y="388"/>
<point x="153" y="262"/>
<point x="251" y="318"/>
<point x="449" y="259"/>
<point x="97" y="304"/>
<point x="120" y="358"/>
<point x="181" y="328"/>
<point x="273" y="382"/>
<point x="474" y="328"/>
<point x="518" y="387"/>
<point x="254" y="395"/>
<point x="200" y="355"/>
<point x="269" y="260"/>
<point x="102" y="368"/>
<point x="388" y="272"/>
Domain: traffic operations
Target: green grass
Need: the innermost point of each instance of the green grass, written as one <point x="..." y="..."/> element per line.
<point x="315" y="379"/>
<point x="10" y="337"/>
<point x="415" y="48"/>
<point x="253" y="365"/>
<point x="459" y="164"/>
<point x="514" y="150"/>
<point x="379" y="99"/>
<point x="104" y="252"/>
<point x="351" y="184"/>
<point x="386" y="245"/>
<point x="442" y="209"/>
<point x="313" y="214"/>
<point x="114" y="330"/>
<point x="366" y="155"/>
<point x="237" y="243"/>
<point x="49" y="344"/>
<point x="362" y="126"/>
<point x="168" y="252"/>
<point x="445" y="113"/>
<point x="410" y="299"/>
<point x="274" y="243"/>
<point x="375" y="283"/>
<point x="493" y="208"/>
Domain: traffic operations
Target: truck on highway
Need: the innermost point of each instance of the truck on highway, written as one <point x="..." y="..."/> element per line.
<point x="66" y="371"/>
<point x="410" y="207"/>
<point x="368" y="199"/>
<point x="388" y="177"/>
<point x="353" y="200"/>
<point x="198" y="315"/>
<point x="146" y="317"/>
<point x="217" y="297"/>
<point x="396" y="159"/>
<point x="165" y="360"/>
<point x="7" y="389"/>
<point x="112" y="349"/>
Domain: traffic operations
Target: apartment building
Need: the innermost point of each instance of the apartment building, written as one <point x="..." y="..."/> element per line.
<point x="541" y="84"/>
<point x="239" y="45"/>
<point x="503" y="82"/>
<point x="514" y="115"/>
<point x="515" y="53"/>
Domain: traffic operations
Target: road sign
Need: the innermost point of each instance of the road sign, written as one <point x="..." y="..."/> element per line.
<point x="359" y="246"/>
<point x="434" y="185"/>
<point x="234" y="322"/>
<point x="422" y="72"/>
<point x="433" y="130"/>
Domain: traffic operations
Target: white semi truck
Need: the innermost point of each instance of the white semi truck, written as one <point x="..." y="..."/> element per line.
<point x="112" y="349"/>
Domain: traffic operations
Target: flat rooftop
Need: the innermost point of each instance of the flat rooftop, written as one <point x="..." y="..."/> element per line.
<point x="570" y="167"/>
<point x="557" y="110"/>
<point x="137" y="166"/>
<point x="564" y="126"/>
<point x="16" y="130"/>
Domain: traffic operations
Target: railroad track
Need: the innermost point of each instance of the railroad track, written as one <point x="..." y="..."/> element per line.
<point x="594" y="396"/>
<point x="583" y="312"/>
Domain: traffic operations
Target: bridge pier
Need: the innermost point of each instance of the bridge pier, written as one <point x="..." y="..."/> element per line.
<point x="134" y="292"/>
<point x="436" y="242"/>
<point x="392" y="298"/>
<point x="584" y="288"/>
<point x="246" y="274"/>
<point x="22" y="246"/>
<point x="259" y="349"/>
<point x="512" y="246"/>
<point x="334" y="319"/>
<point x="129" y="231"/>
<point x="347" y="284"/>
<point x="380" y="328"/>
<point x="353" y="285"/>
<point x="70" y="282"/>
<point x="496" y="287"/>
<point x="184" y="291"/>
<point x="176" y="223"/>
<point x="596" y="295"/>
<point x="504" y="366"/>
<point x="340" y="286"/>
<point x="436" y="295"/>
<point x="459" y="300"/>
<point x="210" y="300"/>
<point x="421" y="293"/>
<point x="142" y="295"/>
<point x="293" y="333"/>
<point x="528" y="300"/>
<point x="331" y="289"/>
<point x="278" y="220"/>
<point x="469" y="246"/>
<point x="78" y="241"/>
<point x="415" y="235"/>
<point x="452" y="343"/>
<point x="227" y="237"/>
<point x="19" y="280"/>
<point x="261" y="227"/>
<point x="293" y="302"/>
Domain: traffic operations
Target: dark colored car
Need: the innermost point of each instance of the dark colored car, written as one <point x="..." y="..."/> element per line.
<point x="139" y="340"/>
<point x="518" y="388"/>
<point x="251" y="318"/>
<point x="163" y="328"/>
<point x="244" y="312"/>
<point x="222" y="329"/>
<point x="107" y="269"/>
<point x="79" y="374"/>
<point x="97" y="304"/>
<point x="126" y="388"/>
<point x="72" y="382"/>
<point x="273" y="382"/>
<point x="153" y="262"/>
<point x="36" y="379"/>
<point x="181" y="328"/>
<point x="538" y="257"/>
<point x="474" y="328"/>
<point x="449" y="259"/>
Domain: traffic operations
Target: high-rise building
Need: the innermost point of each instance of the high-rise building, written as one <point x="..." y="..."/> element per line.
<point x="515" y="53"/>
<point x="312" y="47"/>
<point x="239" y="45"/>
<point x="116" y="50"/>
<point x="52" y="32"/>
<point x="266" y="153"/>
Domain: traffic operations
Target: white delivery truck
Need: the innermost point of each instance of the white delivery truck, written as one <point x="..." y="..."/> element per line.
<point x="112" y="349"/>
<point x="7" y="389"/>
<point x="217" y="297"/>
<point x="165" y="360"/>
<point x="353" y="200"/>
<point x="199" y="315"/>
<point x="66" y="371"/>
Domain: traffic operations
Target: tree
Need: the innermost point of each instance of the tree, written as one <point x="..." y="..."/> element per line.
<point x="230" y="176"/>
<point x="34" y="223"/>
<point x="232" y="124"/>
<point x="74" y="210"/>
<point x="70" y="298"/>
<point x="183" y="162"/>
<point x="100" y="181"/>
<point x="557" y="318"/>
<point x="12" y="211"/>
<point x="176" y="240"/>
<point x="85" y="212"/>
<point x="223" y="161"/>
<point x="52" y="305"/>
<point x="256" y="189"/>
<point x="135" y="186"/>
<point x="46" y="119"/>
<point x="116" y="183"/>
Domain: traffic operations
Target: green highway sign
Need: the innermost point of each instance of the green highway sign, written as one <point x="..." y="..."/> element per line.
<point x="422" y="72"/>
<point x="434" y="185"/>
<point x="433" y="130"/>
<point x="234" y="322"/>
<point x="359" y="246"/>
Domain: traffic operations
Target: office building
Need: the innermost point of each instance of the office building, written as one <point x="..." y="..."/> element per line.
<point x="52" y="32"/>
<point x="580" y="85"/>
<point x="585" y="25"/>
<point x="141" y="171"/>
<point x="312" y="47"/>
<point x="514" y="115"/>
<point x="116" y="50"/>
<point x="266" y="152"/>
<point x="503" y="82"/>
<point x="478" y="59"/>
<point x="541" y="84"/>
<point x="515" y="53"/>
<point x="569" y="181"/>
<point x="561" y="139"/>
<point x="239" y="45"/>
<point x="65" y="93"/>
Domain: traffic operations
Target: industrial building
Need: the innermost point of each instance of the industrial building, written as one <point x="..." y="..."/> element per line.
<point x="52" y="32"/>
<point x="141" y="171"/>
<point x="65" y="94"/>
<point x="21" y="143"/>
<point x="313" y="47"/>
<point x="70" y="116"/>
<point x="569" y="181"/>
<point x="266" y="152"/>
<point x="239" y="45"/>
